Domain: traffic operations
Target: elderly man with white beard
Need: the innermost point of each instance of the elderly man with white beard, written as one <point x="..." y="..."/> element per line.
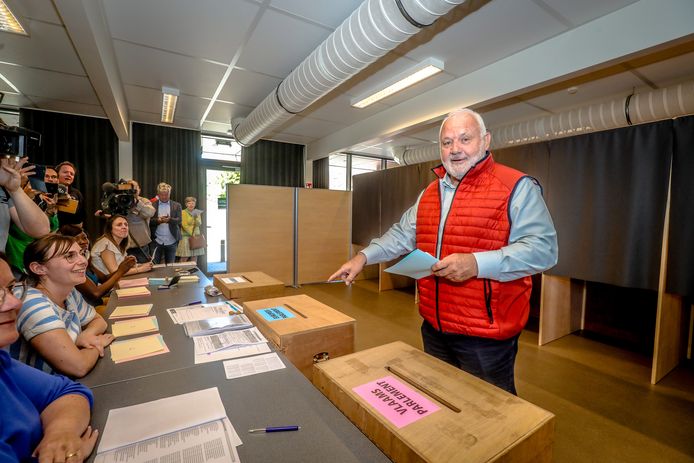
<point x="490" y="229"/>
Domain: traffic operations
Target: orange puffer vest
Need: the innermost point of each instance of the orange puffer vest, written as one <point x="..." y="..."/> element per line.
<point x="477" y="221"/>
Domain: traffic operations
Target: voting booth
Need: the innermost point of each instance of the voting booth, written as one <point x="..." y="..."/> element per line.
<point x="303" y="329"/>
<point x="417" y="408"/>
<point x="248" y="285"/>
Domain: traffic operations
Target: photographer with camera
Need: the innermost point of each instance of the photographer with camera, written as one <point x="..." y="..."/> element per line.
<point x="15" y="206"/>
<point x="73" y="210"/>
<point x="17" y="241"/>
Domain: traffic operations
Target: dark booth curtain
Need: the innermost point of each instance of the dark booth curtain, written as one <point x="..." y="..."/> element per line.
<point x="273" y="163"/>
<point x="607" y="193"/>
<point x="680" y="272"/>
<point x="321" y="173"/>
<point x="88" y="142"/>
<point x="171" y="155"/>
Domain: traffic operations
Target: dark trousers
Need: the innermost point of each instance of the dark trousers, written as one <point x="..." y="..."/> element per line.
<point x="164" y="253"/>
<point x="489" y="359"/>
<point x="141" y="254"/>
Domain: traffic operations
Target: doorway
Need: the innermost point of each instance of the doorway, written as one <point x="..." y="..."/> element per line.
<point x="216" y="211"/>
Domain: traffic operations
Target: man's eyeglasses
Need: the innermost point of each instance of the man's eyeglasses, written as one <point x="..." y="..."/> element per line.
<point x="12" y="287"/>
<point x="72" y="256"/>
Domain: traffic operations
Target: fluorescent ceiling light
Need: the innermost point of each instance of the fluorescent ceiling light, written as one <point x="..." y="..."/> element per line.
<point x="168" y="104"/>
<point x="8" y="21"/>
<point x="426" y="68"/>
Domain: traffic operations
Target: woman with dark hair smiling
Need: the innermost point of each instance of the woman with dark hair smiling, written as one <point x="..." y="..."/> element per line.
<point x="42" y="416"/>
<point x="60" y="330"/>
<point x="109" y="251"/>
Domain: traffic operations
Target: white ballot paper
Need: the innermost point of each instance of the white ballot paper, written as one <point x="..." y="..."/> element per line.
<point x="416" y="264"/>
<point x="232" y="280"/>
<point x="175" y="428"/>
<point x="192" y="313"/>
<point x="252" y="365"/>
<point x="216" y="342"/>
<point x="232" y="353"/>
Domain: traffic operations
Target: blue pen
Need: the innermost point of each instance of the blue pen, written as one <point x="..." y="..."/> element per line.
<point x="194" y="303"/>
<point x="275" y="429"/>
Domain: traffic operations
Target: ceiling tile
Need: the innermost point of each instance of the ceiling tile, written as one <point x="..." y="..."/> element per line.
<point x="286" y="137"/>
<point x="224" y="112"/>
<point x="271" y="50"/>
<point x="336" y="108"/>
<point x="247" y="88"/>
<point x="586" y="10"/>
<point x="497" y="30"/>
<point x="19" y="101"/>
<point x="69" y="107"/>
<point x="150" y="118"/>
<point x="510" y="113"/>
<point x="673" y="70"/>
<point x="152" y="68"/>
<point x="329" y="13"/>
<point x="211" y="29"/>
<point x="48" y="47"/>
<point x="48" y="84"/>
<point x="148" y="100"/>
<point x="43" y="10"/>
<point x="310" y="127"/>
<point x="215" y="127"/>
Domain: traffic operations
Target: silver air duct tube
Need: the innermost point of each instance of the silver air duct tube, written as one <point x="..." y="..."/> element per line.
<point x="374" y="29"/>
<point x="665" y="103"/>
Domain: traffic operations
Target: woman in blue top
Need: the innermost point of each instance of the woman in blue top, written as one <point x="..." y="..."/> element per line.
<point x="60" y="330"/>
<point x="43" y="416"/>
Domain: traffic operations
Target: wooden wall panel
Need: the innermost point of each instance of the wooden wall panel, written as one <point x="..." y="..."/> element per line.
<point x="324" y="218"/>
<point x="561" y="307"/>
<point x="260" y="230"/>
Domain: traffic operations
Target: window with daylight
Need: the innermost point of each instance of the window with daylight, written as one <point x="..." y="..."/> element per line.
<point x="220" y="149"/>
<point x="338" y="172"/>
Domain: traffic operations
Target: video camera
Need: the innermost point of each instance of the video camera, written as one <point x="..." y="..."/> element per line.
<point x="119" y="198"/>
<point x="18" y="141"/>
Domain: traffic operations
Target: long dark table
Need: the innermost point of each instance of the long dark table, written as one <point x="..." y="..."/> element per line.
<point x="280" y="397"/>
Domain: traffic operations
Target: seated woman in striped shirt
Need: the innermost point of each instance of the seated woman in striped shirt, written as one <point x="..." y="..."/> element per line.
<point x="60" y="330"/>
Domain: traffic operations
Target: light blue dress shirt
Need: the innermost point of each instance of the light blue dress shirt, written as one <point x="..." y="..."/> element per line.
<point x="532" y="244"/>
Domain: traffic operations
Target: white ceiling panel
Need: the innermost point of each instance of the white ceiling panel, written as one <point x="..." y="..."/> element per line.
<point x="272" y="50"/>
<point x="20" y="101"/>
<point x="507" y="114"/>
<point x="291" y="138"/>
<point x="148" y="100"/>
<point x="216" y="127"/>
<point x="223" y="112"/>
<point x="421" y="87"/>
<point x="48" y="84"/>
<point x="152" y="68"/>
<point x="48" y="47"/>
<point x="309" y="127"/>
<point x="585" y="10"/>
<point x="670" y="71"/>
<point x="498" y="29"/>
<point x="69" y="107"/>
<point x="150" y="118"/>
<point x="337" y="108"/>
<point x="42" y="10"/>
<point x="247" y="88"/>
<point x="210" y="29"/>
<point x="5" y="87"/>
<point x="330" y="13"/>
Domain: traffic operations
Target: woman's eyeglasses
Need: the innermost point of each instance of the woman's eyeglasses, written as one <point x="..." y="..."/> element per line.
<point x="72" y="256"/>
<point x="11" y="288"/>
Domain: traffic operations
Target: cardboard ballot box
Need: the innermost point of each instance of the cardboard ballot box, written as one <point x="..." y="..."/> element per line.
<point x="416" y="408"/>
<point x="305" y="330"/>
<point x="248" y="285"/>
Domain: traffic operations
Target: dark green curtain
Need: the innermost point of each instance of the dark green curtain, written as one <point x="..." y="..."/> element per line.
<point x="171" y="155"/>
<point x="88" y="142"/>
<point x="680" y="272"/>
<point x="321" y="173"/>
<point x="273" y="163"/>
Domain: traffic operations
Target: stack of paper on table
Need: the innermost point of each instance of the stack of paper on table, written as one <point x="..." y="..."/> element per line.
<point x="227" y="339"/>
<point x="191" y="313"/>
<point x="144" y="281"/>
<point x="137" y="348"/>
<point x="217" y="325"/>
<point x="130" y="311"/>
<point x="135" y="326"/>
<point x="132" y="292"/>
<point x="177" y="264"/>
<point x="178" y="428"/>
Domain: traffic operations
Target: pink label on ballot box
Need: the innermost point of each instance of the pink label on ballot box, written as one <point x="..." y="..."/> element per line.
<point x="397" y="402"/>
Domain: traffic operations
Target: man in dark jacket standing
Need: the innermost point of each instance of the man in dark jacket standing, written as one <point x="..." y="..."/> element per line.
<point x="165" y="226"/>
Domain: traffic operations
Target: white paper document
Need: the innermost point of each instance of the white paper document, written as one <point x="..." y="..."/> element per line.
<point x="252" y="365"/>
<point x="204" y="443"/>
<point x="216" y="342"/>
<point x="127" y="425"/>
<point x="232" y="353"/>
<point x="232" y="280"/>
<point x="217" y="325"/>
<point x="416" y="264"/>
<point x="192" y="313"/>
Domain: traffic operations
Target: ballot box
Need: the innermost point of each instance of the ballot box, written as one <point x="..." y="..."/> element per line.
<point x="305" y="330"/>
<point x="247" y="286"/>
<point x="416" y="408"/>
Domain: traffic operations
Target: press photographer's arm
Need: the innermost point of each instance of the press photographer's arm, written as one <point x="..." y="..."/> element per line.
<point x="25" y="214"/>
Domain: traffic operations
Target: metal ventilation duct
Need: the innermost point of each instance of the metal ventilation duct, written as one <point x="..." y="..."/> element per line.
<point x="666" y="103"/>
<point x="370" y="32"/>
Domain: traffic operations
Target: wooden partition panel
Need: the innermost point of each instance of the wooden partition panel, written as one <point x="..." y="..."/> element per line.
<point x="562" y="306"/>
<point x="260" y="230"/>
<point x="324" y="230"/>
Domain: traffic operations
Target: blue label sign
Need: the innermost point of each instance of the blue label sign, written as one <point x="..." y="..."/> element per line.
<point x="275" y="313"/>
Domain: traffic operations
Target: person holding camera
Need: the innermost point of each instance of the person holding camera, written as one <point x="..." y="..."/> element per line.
<point x="165" y="226"/>
<point x="15" y="206"/>
<point x="73" y="211"/>
<point x="109" y="251"/>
